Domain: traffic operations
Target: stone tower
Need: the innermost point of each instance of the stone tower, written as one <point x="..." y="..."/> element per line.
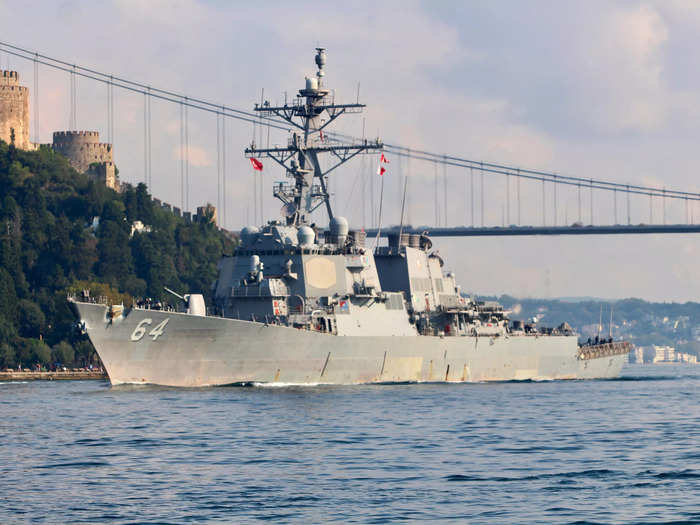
<point x="209" y="209"/>
<point x="82" y="148"/>
<point x="87" y="155"/>
<point x="14" y="109"/>
<point x="106" y="173"/>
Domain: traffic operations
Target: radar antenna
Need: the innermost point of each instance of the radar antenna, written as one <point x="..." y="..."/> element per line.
<point x="312" y="111"/>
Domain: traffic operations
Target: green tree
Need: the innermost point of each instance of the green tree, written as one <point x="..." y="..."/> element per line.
<point x="144" y="204"/>
<point x="114" y="256"/>
<point x="8" y="331"/>
<point x="8" y="357"/>
<point x="63" y="353"/>
<point x="8" y="296"/>
<point x="32" y="351"/>
<point x="31" y="319"/>
<point x="40" y="352"/>
<point x="48" y="249"/>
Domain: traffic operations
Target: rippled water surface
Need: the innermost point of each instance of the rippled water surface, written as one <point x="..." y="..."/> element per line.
<point x="620" y="451"/>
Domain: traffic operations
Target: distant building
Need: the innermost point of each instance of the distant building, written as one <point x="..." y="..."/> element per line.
<point x="696" y="333"/>
<point x="14" y="110"/>
<point x="682" y="357"/>
<point x="139" y="227"/>
<point x="636" y="355"/>
<point x="664" y="354"/>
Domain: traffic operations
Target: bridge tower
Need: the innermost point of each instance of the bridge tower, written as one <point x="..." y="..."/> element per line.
<point x="14" y="110"/>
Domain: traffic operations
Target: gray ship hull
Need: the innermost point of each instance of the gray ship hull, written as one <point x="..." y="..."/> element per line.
<point x="177" y="349"/>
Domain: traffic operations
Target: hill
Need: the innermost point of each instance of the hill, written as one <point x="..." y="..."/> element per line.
<point x="635" y="320"/>
<point x="50" y="246"/>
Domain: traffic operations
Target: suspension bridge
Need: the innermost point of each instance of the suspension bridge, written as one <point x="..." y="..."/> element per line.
<point x="465" y="195"/>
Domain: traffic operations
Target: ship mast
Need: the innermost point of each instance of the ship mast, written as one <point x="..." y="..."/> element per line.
<point x="312" y="111"/>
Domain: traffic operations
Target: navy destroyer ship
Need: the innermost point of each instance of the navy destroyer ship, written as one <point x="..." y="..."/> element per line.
<point x="299" y="304"/>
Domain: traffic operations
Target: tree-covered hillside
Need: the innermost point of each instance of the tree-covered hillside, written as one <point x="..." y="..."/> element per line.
<point x="48" y="247"/>
<point x="635" y="320"/>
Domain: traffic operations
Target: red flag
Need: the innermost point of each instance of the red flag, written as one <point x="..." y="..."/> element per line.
<point x="381" y="170"/>
<point x="383" y="159"/>
<point x="320" y="133"/>
<point x="257" y="165"/>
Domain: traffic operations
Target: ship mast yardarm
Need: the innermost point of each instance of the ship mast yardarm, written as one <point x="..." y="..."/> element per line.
<point x="313" y="110"/>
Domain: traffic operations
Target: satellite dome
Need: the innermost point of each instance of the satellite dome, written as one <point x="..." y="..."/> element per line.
<point x="339" y="226"/>
<point x="306" y="236"/>
<point x="339" y="230"/>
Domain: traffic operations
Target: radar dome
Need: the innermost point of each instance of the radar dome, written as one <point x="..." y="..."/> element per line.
<point x="306" y="236"/>
<point x="339" y="230"/>
<point x="339" y="226"/>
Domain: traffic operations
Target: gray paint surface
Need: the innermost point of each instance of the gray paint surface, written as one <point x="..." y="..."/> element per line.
<point x="333" y="311"/>
<point x="198" y="351"/>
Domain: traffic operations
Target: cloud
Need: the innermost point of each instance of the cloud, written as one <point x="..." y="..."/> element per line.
<point x="626" y="57"/>
<point x="199" y="156"/>
<point x="594" y="88"/>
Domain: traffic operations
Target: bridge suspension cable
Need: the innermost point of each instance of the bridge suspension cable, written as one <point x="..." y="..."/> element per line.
<point x="502" y="169"/>
<point x="136" y="87"/>
<point x="36" y="101"/>
<point x="230" y="112"/>
<point x="487" y="167"/>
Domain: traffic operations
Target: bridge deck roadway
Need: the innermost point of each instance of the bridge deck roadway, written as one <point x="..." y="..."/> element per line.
<point x="462" y="231"/>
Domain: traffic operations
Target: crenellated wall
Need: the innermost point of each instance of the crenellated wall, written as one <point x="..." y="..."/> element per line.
<point x="106" y="173"/>
<point x="14" y="110"/>
<point x="82" y="148"/>
<point x="208" y="209"/>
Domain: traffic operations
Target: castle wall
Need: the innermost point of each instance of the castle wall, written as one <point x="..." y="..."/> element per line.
<point x="202" y="212"/>
<point x="82" y="148"/>
<point x="14" y="109"/>
<point x="105" y="173"/>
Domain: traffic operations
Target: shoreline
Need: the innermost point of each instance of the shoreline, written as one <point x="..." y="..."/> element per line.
<point x="53" y="376"/>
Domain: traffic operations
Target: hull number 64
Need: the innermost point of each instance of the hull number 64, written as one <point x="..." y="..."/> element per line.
<point x="141" y="328"/>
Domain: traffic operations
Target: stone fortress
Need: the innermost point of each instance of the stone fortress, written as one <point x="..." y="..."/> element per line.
<point x="14" y="110"/>
<point x="87" y="155"/>
<point x="83" y="149"/>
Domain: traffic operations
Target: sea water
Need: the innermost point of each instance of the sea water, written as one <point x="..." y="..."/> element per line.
<point x="609" y="451"/>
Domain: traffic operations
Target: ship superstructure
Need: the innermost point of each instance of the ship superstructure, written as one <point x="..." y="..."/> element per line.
<point x="297" y="303"/>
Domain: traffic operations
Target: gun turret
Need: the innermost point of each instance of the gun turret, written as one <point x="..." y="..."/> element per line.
<point x="175" y="294"/>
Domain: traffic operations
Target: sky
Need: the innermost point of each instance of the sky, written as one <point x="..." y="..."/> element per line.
<point x="604" y="89"/>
